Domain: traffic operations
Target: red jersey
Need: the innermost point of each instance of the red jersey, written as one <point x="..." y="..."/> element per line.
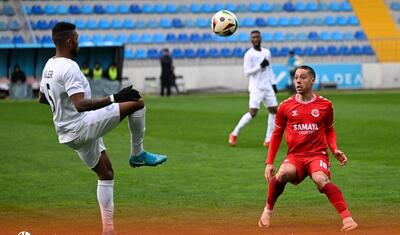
<point x="308" y="125"/>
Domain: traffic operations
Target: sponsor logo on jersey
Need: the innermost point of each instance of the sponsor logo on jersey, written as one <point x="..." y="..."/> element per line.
<point x="305" y="128"/>
<point x="294" y="113"/>
<point x="315" y="112"/>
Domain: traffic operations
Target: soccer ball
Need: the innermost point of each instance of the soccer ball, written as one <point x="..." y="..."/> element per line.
<point x="224" y="23"/>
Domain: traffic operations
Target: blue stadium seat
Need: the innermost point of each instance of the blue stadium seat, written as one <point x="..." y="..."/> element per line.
<point x="91" y="24"/>
<point x="86" y="9"/>
<point x="62" y="9"/>
<point x="146" y="38"/>
<point x="233" y="38"/>
<point x="141" y="54"/>
<point x="344" y="50"/>
<point x="274" y="51"/>
<point x="395" y="6"/>
<point x="300" y="7"/>
<point x="284" y="51"/>
<point x="123" y="9"/>
<point x="337" y="36"/>
<point x="178" y="53"/>
<point x="309" y="51"/>
<point x="301" y="36"/>
<point x="332" y="50"/>
<point x="230" y="7"/>
<point x="323" y="6"/>
<point x="254" y="7"/>
<point x="202" y="53"/>
<point x="104" y="24"/>
<point x="367" y="50"/>
<point x="99" y="9"/>
<point x="26" y="9"/>
<point x="321" y="51"/>
<point x="74" y="9"/>
<point x="18" y="39"/>
<point x="183" y="38"/>
<point x="290" y="37"/>
<point x="294" y="21"/>
<point x="359" y="35"/>
<point x="238" y="52"/>
<point x="218" y="7"/>
<point x="283" y="21"/>
<point x="207" y="37"/>
<point x="14" y="25"/>
<point x="213" y="53"/>
<point x="50" y="9"/>
<point x="278" y="36"/>
<point x="159" y="8"/>
<point x="84" y="38"/>
<point x="133" y="38"/>
<point x="298" y="51"/>
<point x="128" y="24"/>
<point x="352" y="20"/>
<point x="356" y="50"/>
<point x="195" y="37"/>
<point x="190" y="53"/>
<point x="341" y="20"/>
<point x="243" y="37"/>
<point x="97" y="38"/>
<point x="153" y="53"/>
<point x="241" y="8"/>
<point x="190" y="23"/>
<point x="31" y="23"/>
<point x="140" y="24"/>
<point x="129" y="54"/>
<point x="272" y="22"/>
<point x="195" y="8"/>
<point x="52" y="23"/>
<point x="171" y="38"/>
<point x="306" y="21"/>
<point x="312" y="6"/>
<point x="334" y="6"/>
<point x="266" y="36"/>
<point x="147" y="8"/>
<point x="36" y="10"/>
<point x="248" y="22"/>
<point x="8" y="10"/>
<point x="260" y="22"/>
<point x="183" y="8"/>
<point x="135" y="9"/>
<point x="117" y="24"/>
<point x="265" y="7"/>
<point x="165" y="23"/>
<point x="318" y="21"/>
<point x="159" y="38"/>
<point x="345" y="6"/>
<point x="226" y="52"/>
<point x="171" y="9"/>
<point x="121" y="38"/>
<point x="111" y="9"/>
<point x="202" y="23"/>
<point x="206" y="8"/>
<point x="329" y="20"/>
<point x="3" y="26"/>
<point x="108" y="38"/>
<point x="289" y="7"/>
<point x="152" y="24"/>
<point x="5" y="40"/>
<point x="177" y="23"/>
<point x="42" y="25"/>
<point x="313" y="36"/>
<point x="348" y="36"/>
<point x="325" y="36"/>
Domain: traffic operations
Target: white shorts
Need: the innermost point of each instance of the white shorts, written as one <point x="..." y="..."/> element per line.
<point x="267" y="96"/>
<point x="96" y="124"/>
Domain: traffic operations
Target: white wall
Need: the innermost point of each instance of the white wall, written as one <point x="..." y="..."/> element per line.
<point x="379" y="76"/>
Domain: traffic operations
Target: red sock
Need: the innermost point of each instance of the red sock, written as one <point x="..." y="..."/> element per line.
<point x="335" y="196"/>
<point x="275" y="189"/>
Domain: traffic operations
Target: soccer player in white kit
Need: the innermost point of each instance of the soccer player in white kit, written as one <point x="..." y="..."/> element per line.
<point x="262" y="87"/>
<point x="81" y="121"/>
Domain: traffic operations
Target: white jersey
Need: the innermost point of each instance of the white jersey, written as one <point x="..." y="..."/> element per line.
<point x="62" y="78"/>
<point x="259" y="79"/>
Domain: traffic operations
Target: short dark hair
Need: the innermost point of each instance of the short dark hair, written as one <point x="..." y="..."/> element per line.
<point x="255" y="31"/>
<point x="62" y="31"/>
<point x="308" y="68"/>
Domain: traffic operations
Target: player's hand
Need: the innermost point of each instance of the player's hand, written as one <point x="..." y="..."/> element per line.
<point x="269" y="172"/>
<point x="341" y="157"/>
<point x="127" y="94"/>
<point x="275" y="88"/>
<point x="264" y="63"/>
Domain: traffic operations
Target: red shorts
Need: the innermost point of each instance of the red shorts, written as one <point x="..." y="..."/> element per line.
<point x="306" y="165"/>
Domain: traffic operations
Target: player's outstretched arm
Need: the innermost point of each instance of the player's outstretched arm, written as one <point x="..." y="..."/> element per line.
<point x="42" y="98"/>
<point x="125" y="95"/>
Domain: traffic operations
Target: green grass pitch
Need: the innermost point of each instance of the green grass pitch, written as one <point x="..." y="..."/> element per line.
<point x="203" y="177"/>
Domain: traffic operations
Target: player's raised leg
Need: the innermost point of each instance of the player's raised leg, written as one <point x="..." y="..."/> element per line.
<point x="335" y="197"/>
<point x="286" y="173"/>
<point x="136" y="121"/>
<point x="105" y="192"/>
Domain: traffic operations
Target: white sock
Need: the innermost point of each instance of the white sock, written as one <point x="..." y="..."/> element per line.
<point x="105" y="190"/>
<point x="136" y="123"/>
<point x="271" y="126"/>
<point x="246" y="118"/>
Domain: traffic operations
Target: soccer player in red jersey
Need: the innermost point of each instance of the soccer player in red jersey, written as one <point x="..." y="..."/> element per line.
<point x="308" y="121"/>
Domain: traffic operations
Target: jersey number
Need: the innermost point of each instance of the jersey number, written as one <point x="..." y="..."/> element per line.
<point x="53" y="107"/>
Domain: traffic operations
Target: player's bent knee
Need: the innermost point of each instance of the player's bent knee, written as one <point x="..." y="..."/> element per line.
<point x="320" y="179"/>
<point x="285" y="176"/>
